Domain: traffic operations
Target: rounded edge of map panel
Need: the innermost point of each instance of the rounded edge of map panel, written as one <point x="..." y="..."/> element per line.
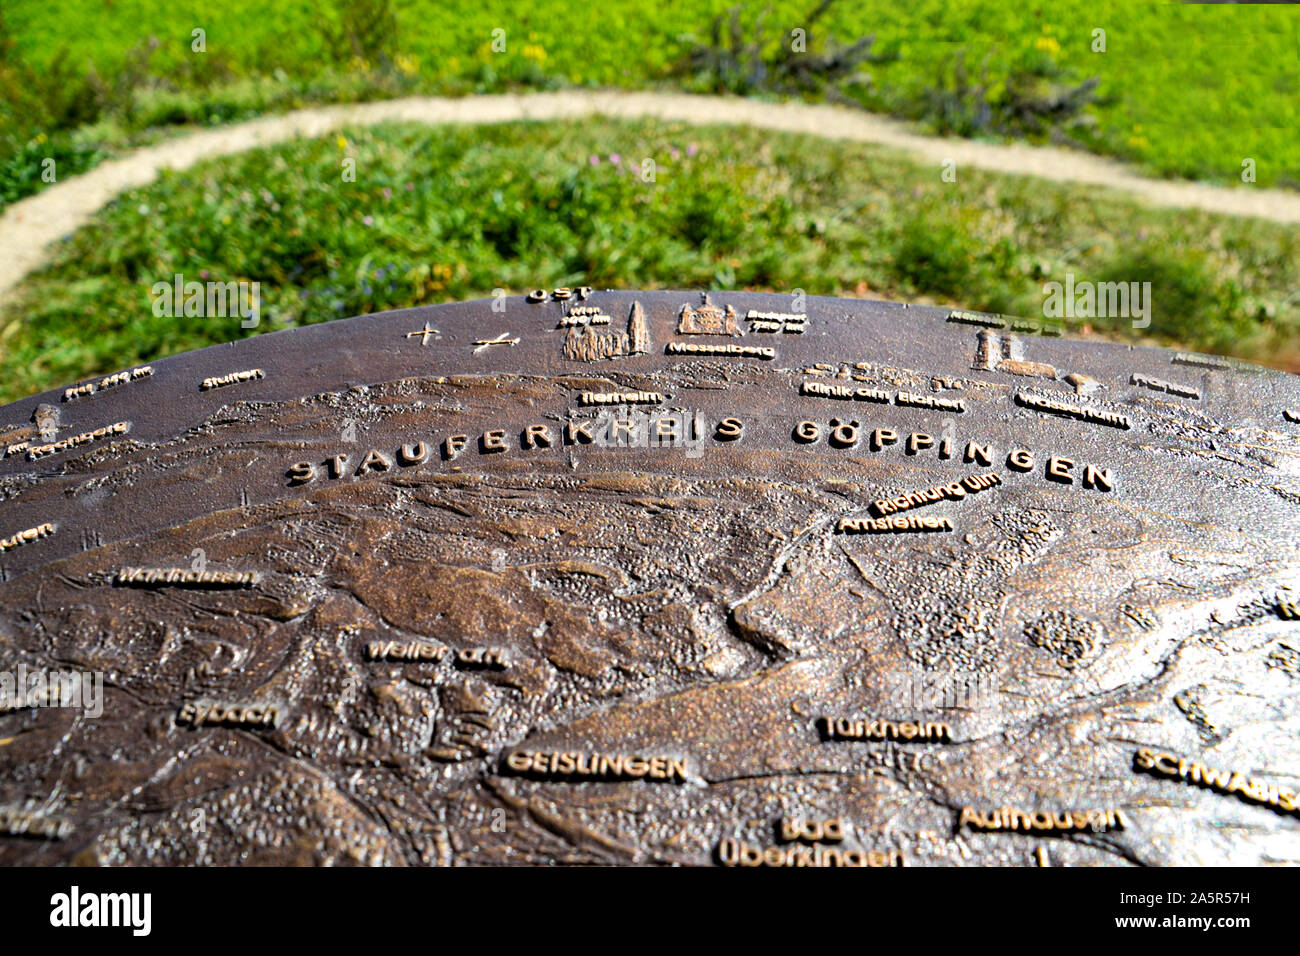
<point x="597" y="577"/>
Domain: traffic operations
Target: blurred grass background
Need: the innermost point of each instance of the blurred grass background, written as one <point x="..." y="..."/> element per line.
<point x="1185" y="90"/>
<point x="1182" y="90"/>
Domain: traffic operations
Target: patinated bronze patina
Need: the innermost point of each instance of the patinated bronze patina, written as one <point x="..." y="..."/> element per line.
<point x="617" y="577"/>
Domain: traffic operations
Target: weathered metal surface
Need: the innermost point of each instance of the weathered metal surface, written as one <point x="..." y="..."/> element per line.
<point x="640" y="578"/>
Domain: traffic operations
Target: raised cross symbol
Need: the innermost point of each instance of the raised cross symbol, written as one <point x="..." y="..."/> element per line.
<point x="424" y="333"/>
<point x="499" y="340"/>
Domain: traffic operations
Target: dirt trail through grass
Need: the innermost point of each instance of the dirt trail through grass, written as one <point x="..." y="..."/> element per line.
<point x="29" y="226"/>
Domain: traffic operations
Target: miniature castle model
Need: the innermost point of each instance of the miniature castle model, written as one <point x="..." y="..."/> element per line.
<point x="708" y="319"/>
<point x="583" y="343"/>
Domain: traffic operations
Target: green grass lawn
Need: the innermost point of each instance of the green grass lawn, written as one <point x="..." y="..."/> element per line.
<point x="1186" y="90"/>
<point x="440" y="214"/>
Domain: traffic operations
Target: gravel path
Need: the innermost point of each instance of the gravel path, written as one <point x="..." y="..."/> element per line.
<point x="29" y="226"/>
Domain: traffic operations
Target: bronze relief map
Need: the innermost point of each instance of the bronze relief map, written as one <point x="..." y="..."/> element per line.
<point x="593" y="577"/>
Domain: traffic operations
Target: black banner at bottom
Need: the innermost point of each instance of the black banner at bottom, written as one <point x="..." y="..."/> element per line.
<point x="222" y="907"/>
